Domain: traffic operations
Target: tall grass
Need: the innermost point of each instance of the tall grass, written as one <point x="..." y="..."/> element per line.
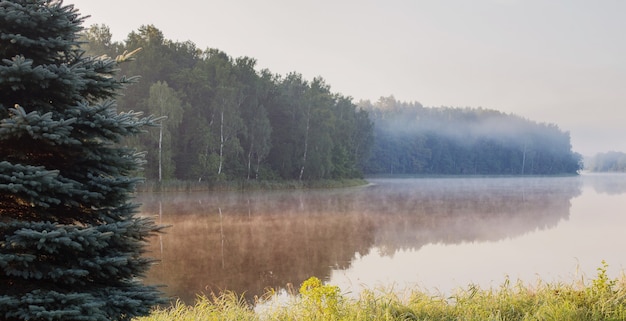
<point x="225" y="306"/>
<point x="601" y="298"/>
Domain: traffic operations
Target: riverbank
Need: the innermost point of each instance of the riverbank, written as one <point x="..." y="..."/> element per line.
<point x="601" y="298"/>
<point x="243" y="185"/>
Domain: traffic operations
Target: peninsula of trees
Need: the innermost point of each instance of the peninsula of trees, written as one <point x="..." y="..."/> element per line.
<point x="228" y="121"/>
<point x="412" y="139"/>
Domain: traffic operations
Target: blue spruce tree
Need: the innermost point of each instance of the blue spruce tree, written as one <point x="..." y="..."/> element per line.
<point x="71" y="240"/>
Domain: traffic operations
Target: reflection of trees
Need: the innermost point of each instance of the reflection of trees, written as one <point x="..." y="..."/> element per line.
<point x="611" y="183"/>
<point x="451" y="211"/>
<point x="269" y="239"/>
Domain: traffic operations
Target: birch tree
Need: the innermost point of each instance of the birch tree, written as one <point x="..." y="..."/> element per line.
<point x="163" y="101"/>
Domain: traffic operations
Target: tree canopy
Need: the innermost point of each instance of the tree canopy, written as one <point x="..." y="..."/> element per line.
<point x="412" y="139"/>
<point x="237" y="122"/>
<point x="242" y="123"/>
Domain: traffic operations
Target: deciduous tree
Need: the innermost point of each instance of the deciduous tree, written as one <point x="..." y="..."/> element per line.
<point x="163" y="101"/>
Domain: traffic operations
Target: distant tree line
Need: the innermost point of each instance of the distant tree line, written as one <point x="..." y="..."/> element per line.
<point x="412" y="139"/>
<point x="228" y="121"/>
<point x="608" y="162"/>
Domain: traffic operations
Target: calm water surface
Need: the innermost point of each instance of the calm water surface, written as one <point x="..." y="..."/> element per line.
<point x="436" y="234"/>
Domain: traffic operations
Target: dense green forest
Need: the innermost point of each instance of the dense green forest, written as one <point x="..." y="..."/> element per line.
<point x="412" y="139"/>
<point x="226" y="120"/>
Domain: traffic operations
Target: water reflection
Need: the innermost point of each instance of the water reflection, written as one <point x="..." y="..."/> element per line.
<point x="247" y="242"/>
<point x="565" y="247"/>
<point x="607" y="183"/>
<point x="450" y="211"/>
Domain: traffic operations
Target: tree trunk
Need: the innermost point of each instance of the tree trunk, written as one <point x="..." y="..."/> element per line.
<point x="306" y="144"/>
<point x="219" y="169"/>
<point x="258" y="165"/>
<point x="524" y="160"/>
<point x="160" y="152"/>
<point x="250" y="158"/>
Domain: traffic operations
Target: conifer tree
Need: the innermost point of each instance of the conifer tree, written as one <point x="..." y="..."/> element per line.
<point x="71" y="240"/>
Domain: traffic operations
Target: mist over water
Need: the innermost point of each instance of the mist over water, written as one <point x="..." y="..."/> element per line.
<point x="433" y="233"/>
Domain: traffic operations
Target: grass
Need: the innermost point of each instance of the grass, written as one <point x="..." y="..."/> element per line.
<point x="601" y="298"/>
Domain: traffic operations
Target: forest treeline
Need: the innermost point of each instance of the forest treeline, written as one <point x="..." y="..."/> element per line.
<point x="226" y="120"/>
<point x="607" y="162"/>
<point x="412" y="139"/>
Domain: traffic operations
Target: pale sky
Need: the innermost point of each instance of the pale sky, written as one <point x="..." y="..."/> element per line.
<point x="554" y="61"/>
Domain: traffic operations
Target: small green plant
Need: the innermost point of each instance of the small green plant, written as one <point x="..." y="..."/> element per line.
<point x="602" y="284"/>
<point x="319" y="299"/>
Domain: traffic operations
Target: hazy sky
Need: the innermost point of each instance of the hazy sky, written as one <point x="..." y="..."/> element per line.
<point x="556" y="61"/>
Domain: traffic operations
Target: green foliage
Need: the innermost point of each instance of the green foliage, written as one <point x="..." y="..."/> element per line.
<point x="236" y="122"/>
<point x="603" y="299"/>
<point x="240" y="123"/>
<point x="602" y="285"/>
<point x="71" y="243"/>
<point x="164" y="102"/>
<point x="412" y="139"/>
<point x="319" y="299"/>
<point x="225" y="306"/>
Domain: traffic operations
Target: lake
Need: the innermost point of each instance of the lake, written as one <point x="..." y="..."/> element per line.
<point x="432" y="234"/>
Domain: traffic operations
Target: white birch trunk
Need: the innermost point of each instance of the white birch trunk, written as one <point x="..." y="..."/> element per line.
<point x="160" y="152"/>
<point x="250" y="158"/>
<point x="306" y="144"/>
<point x="219" y="169"/>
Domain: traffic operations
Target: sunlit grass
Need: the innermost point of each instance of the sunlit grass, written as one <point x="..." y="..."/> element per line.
<point x="601" y="298"/>
<point x="225" y="306"/>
